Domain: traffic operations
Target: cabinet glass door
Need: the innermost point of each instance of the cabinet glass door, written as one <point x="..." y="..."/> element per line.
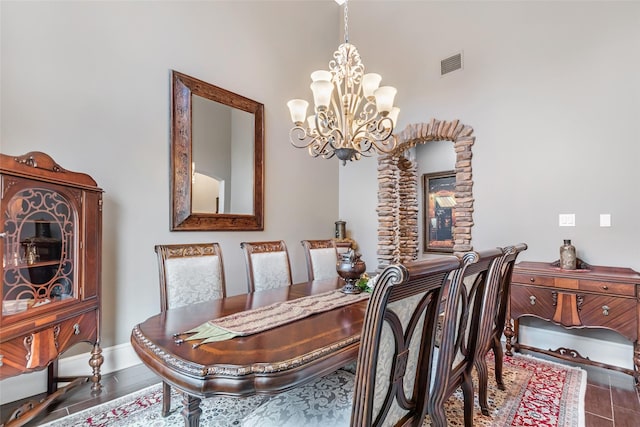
<point x="38" y="253"/>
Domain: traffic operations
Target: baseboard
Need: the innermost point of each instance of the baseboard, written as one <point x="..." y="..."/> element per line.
<point x="115" y="358"/>
<point x="611" y="352"/>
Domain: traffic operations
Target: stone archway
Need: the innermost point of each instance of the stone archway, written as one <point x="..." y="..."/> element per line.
<point x="398" y="237"/>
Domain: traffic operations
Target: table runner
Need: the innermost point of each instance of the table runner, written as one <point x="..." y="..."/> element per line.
<point x="263" y="318"/>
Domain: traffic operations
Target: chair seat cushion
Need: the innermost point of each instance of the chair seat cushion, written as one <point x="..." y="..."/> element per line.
<point x="323" y="402"/>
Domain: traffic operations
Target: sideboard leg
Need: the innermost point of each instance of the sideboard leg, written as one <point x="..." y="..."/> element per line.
<point x="96" y="362"/>
<point x="508" y="335"/>
<point x="636" y="364"/>
<point x="52" y="375"/>
<point x="191" y="411"/>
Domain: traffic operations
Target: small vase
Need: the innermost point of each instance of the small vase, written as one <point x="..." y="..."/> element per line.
<point x="567" y="256"/>
<point x="350" y="267"/>
<point x="341" y="231"/>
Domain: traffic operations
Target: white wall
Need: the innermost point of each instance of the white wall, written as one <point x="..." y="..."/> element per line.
<point x="88" y="83"/>
<point x="552" y="91"/>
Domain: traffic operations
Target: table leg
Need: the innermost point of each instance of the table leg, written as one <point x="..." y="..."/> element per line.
<point x="191" y="411"/>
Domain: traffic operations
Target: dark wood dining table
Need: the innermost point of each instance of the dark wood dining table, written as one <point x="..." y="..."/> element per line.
<point x="267" y="362"/>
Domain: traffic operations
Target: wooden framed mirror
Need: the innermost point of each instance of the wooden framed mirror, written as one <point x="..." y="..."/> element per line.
<point x="217" y="152"/>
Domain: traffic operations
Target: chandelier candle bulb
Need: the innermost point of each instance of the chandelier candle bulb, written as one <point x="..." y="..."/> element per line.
<point x="298" y="110"/>
<point x="370" y="82"/>
<point x="322" y="91"/>
<point x="321" y="75"/>
<point x="384" y="98"/>
<point x="393" y="115"/>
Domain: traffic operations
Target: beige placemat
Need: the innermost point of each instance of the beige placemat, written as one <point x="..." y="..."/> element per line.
<point x="261" y="319"/>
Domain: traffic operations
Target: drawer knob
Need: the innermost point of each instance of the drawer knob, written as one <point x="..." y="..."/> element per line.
<point x="532" y="300"/>
<point x="532" y="279"/>
<point x="76" y="329"/>
<point x="605" y="310"/>
<point x="605" y="287"/>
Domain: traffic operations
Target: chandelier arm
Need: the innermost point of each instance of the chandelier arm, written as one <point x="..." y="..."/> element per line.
<point x="318" y="147"/>
<point x="316" y="144"/>
<point x="359" y="99"/>
<point x="340" y="122"/>
<point x="337" y="104"/>
<point x="325" y="127"/>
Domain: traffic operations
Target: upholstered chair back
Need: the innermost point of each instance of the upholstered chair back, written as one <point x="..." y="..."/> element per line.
<point x="190" y="273"/>
<point x="321" y="257"/>
<point x="467" y="315"/>
<point x="493" y="342"/>
<point x="268" y="265"/>
<point x="394" y="359"/>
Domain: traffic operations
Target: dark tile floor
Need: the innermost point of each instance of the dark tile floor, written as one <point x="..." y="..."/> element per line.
<point x="611" y="399"/>
<point x="114" y="385"/>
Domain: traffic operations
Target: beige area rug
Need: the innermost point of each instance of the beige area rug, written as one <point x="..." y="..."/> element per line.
<point x="538" y="393"/>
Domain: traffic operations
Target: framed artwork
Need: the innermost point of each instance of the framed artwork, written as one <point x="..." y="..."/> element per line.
<point x="438" y="211"/>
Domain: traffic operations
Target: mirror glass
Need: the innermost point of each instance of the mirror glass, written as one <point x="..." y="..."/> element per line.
<point x="217" y="150"/>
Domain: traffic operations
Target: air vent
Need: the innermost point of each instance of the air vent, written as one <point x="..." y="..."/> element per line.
<point x="451" y="64"/>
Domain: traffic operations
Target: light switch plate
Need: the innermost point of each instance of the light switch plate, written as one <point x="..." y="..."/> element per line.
<point x="605" y="220"/>
<point x="567" y="220"/>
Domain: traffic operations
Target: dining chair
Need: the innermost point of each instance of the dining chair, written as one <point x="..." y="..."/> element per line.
<point x="189" y="273"/>
<point x="466" y="322"/>
<point x="394" y="359"/>
<point x="321" y="257"/>
<point x="494" y="343"/>
<point x="268" y="265"/>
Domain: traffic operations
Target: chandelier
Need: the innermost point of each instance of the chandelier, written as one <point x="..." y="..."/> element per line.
<point x="353" y="115"/>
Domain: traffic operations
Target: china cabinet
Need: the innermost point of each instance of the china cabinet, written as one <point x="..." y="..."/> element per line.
<point x="51" y="233"/>
<point x="583" y="298"/>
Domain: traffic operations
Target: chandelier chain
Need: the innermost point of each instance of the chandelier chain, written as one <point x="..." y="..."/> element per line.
<point x="346" y="21"/>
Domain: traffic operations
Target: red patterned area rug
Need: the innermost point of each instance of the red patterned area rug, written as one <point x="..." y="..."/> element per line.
<point x="538" y="393"/>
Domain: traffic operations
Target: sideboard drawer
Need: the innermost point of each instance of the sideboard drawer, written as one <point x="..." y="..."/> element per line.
<point x="615" y="313"/>
<point x="529" y="279"/>
<point x="533" y="301"/>
<point x="625" y="289"/>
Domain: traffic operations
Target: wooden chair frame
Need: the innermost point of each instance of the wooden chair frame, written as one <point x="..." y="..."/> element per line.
<point x="467" y="322"/>
<point x="165" y="252"/>
<point x="395" y="283"/>
<point x="494" y="343"/>
<point x="182" y="250"/>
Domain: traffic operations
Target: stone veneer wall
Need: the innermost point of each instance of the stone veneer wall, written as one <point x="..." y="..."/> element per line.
<point x="398" y="191"/>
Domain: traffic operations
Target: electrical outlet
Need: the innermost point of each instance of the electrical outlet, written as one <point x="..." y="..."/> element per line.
<point x="567" y="220"/>
<point x="605" y="220"/>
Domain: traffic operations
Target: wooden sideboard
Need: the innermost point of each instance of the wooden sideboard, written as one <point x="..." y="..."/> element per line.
<point x="592" y="297"/>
